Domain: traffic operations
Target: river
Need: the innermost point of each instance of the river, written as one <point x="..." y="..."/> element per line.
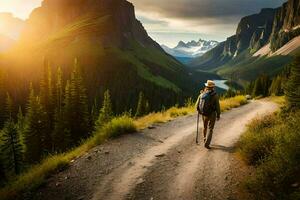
<point x="221" y="84"/>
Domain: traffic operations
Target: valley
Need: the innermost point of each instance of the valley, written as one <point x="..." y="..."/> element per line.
<point x="98" y="99"/>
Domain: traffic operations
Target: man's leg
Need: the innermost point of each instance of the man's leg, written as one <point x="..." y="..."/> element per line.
<point x="205" y="125"/>
<point x="211" y="125"/>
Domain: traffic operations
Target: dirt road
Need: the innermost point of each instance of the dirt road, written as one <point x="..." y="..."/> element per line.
<point x="159" y="163"/>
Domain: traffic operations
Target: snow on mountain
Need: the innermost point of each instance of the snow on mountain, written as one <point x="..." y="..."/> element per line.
<point x="190" y="49"/>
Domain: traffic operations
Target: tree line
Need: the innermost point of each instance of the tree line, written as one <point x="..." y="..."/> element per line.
<point x="286" y="83"/>
<point x="264" y="86"/>
<point x="56" y="118"/>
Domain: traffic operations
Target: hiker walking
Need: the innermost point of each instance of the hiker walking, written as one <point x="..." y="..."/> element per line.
<point x="208" y="106"/>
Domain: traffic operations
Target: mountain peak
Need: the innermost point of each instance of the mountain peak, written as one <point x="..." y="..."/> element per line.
<point x="190" y="49"/>
<point x="181" y="44"/>
<point x="192" y="43"/>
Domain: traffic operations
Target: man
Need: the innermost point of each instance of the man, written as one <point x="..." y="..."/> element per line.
<point x="208" y="106"/>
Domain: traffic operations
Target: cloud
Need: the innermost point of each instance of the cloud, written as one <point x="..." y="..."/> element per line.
<point x="209" y="19"/>
<point x="164" y="19"/>
<point x="199" y="9"/>
<point x="169" y="31"/>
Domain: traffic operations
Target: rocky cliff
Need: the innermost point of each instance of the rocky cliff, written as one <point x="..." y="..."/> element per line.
<point x="53" y="15"/>
<point x="275" y="26"/>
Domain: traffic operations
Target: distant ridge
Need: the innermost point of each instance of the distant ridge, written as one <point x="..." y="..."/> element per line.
<point x="187" y="51"/>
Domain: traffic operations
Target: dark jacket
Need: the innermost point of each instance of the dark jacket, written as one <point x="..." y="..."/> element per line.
<point x="215" y="102"/>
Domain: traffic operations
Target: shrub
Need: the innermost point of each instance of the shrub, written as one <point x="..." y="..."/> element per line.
<point x="256" y="147"/>
<point x="118" y="126"/>
<point x="278" y="173"/>
<point x="233" y="102"/>
<point x="259" y="124"/>
<point x="257" y="143"/>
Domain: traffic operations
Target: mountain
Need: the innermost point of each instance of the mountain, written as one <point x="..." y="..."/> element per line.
<point x="112" y="47"/>
<point x="10" y="29"/>
<point x="10" y="26"/>
<point x="262" y="44"/>
<point x="186" y="51"/>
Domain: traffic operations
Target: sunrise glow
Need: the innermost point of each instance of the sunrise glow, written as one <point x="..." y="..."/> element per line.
<point x="19" y="8"/>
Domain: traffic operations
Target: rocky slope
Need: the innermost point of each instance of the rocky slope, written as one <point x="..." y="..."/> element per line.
<point x="268" y="30"/>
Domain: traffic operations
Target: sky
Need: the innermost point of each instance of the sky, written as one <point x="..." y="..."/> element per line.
<point x="19" y="8"/>
<point x="169" y="21"/>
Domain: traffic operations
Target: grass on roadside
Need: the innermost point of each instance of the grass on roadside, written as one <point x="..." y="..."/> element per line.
<point x="37" y="174"/>
<point x="271" y="145"/>
<point x="277" y="99"/>
<point x="172" y="113"/>
<point x="234" y="102"/>
<point x="161" y="117"/>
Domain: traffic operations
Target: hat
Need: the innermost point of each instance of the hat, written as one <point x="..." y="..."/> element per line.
<point x="210" y="84"/>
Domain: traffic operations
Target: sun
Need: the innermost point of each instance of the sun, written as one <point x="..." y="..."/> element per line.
<point x="19" y="8"/>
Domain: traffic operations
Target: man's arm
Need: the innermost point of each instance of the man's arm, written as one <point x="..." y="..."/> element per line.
<point x="197" y="103"/>
<point x="218" y="109"/>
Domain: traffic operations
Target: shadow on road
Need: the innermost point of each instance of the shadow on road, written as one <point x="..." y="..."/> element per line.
<point x="222" y="148"/>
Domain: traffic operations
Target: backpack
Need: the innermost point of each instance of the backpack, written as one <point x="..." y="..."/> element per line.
<point x="205" y="106"/>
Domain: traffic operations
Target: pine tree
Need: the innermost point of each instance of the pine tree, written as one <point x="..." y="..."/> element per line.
<point x="20" y="122"/>
<point x="76" y="107"/>
<point x="47" y="102"/>
<point x="34" y="128"/>
<point x="58" y="92"/>
<point x="257" y="89"/>
<point x="292" y="87"/>
<point x="2" y="173"/>
<point x="11" y="147"/>
<point x="265" y="80"/>
<point x="61" y="136"/>
<point x="8" y="107"/>
<point x="250" y="87"/>
<point x="276" y="86"/>
<point x="273" y="86"/>
<point x="140" y="106"/>
<point x="147" y="107"/>
<point x="261" y="86"/>
<point x="3" y="115"/>
<point x="94" y="112"/>
<point x="230" y="93"/>
<point x="105" y="114"/>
